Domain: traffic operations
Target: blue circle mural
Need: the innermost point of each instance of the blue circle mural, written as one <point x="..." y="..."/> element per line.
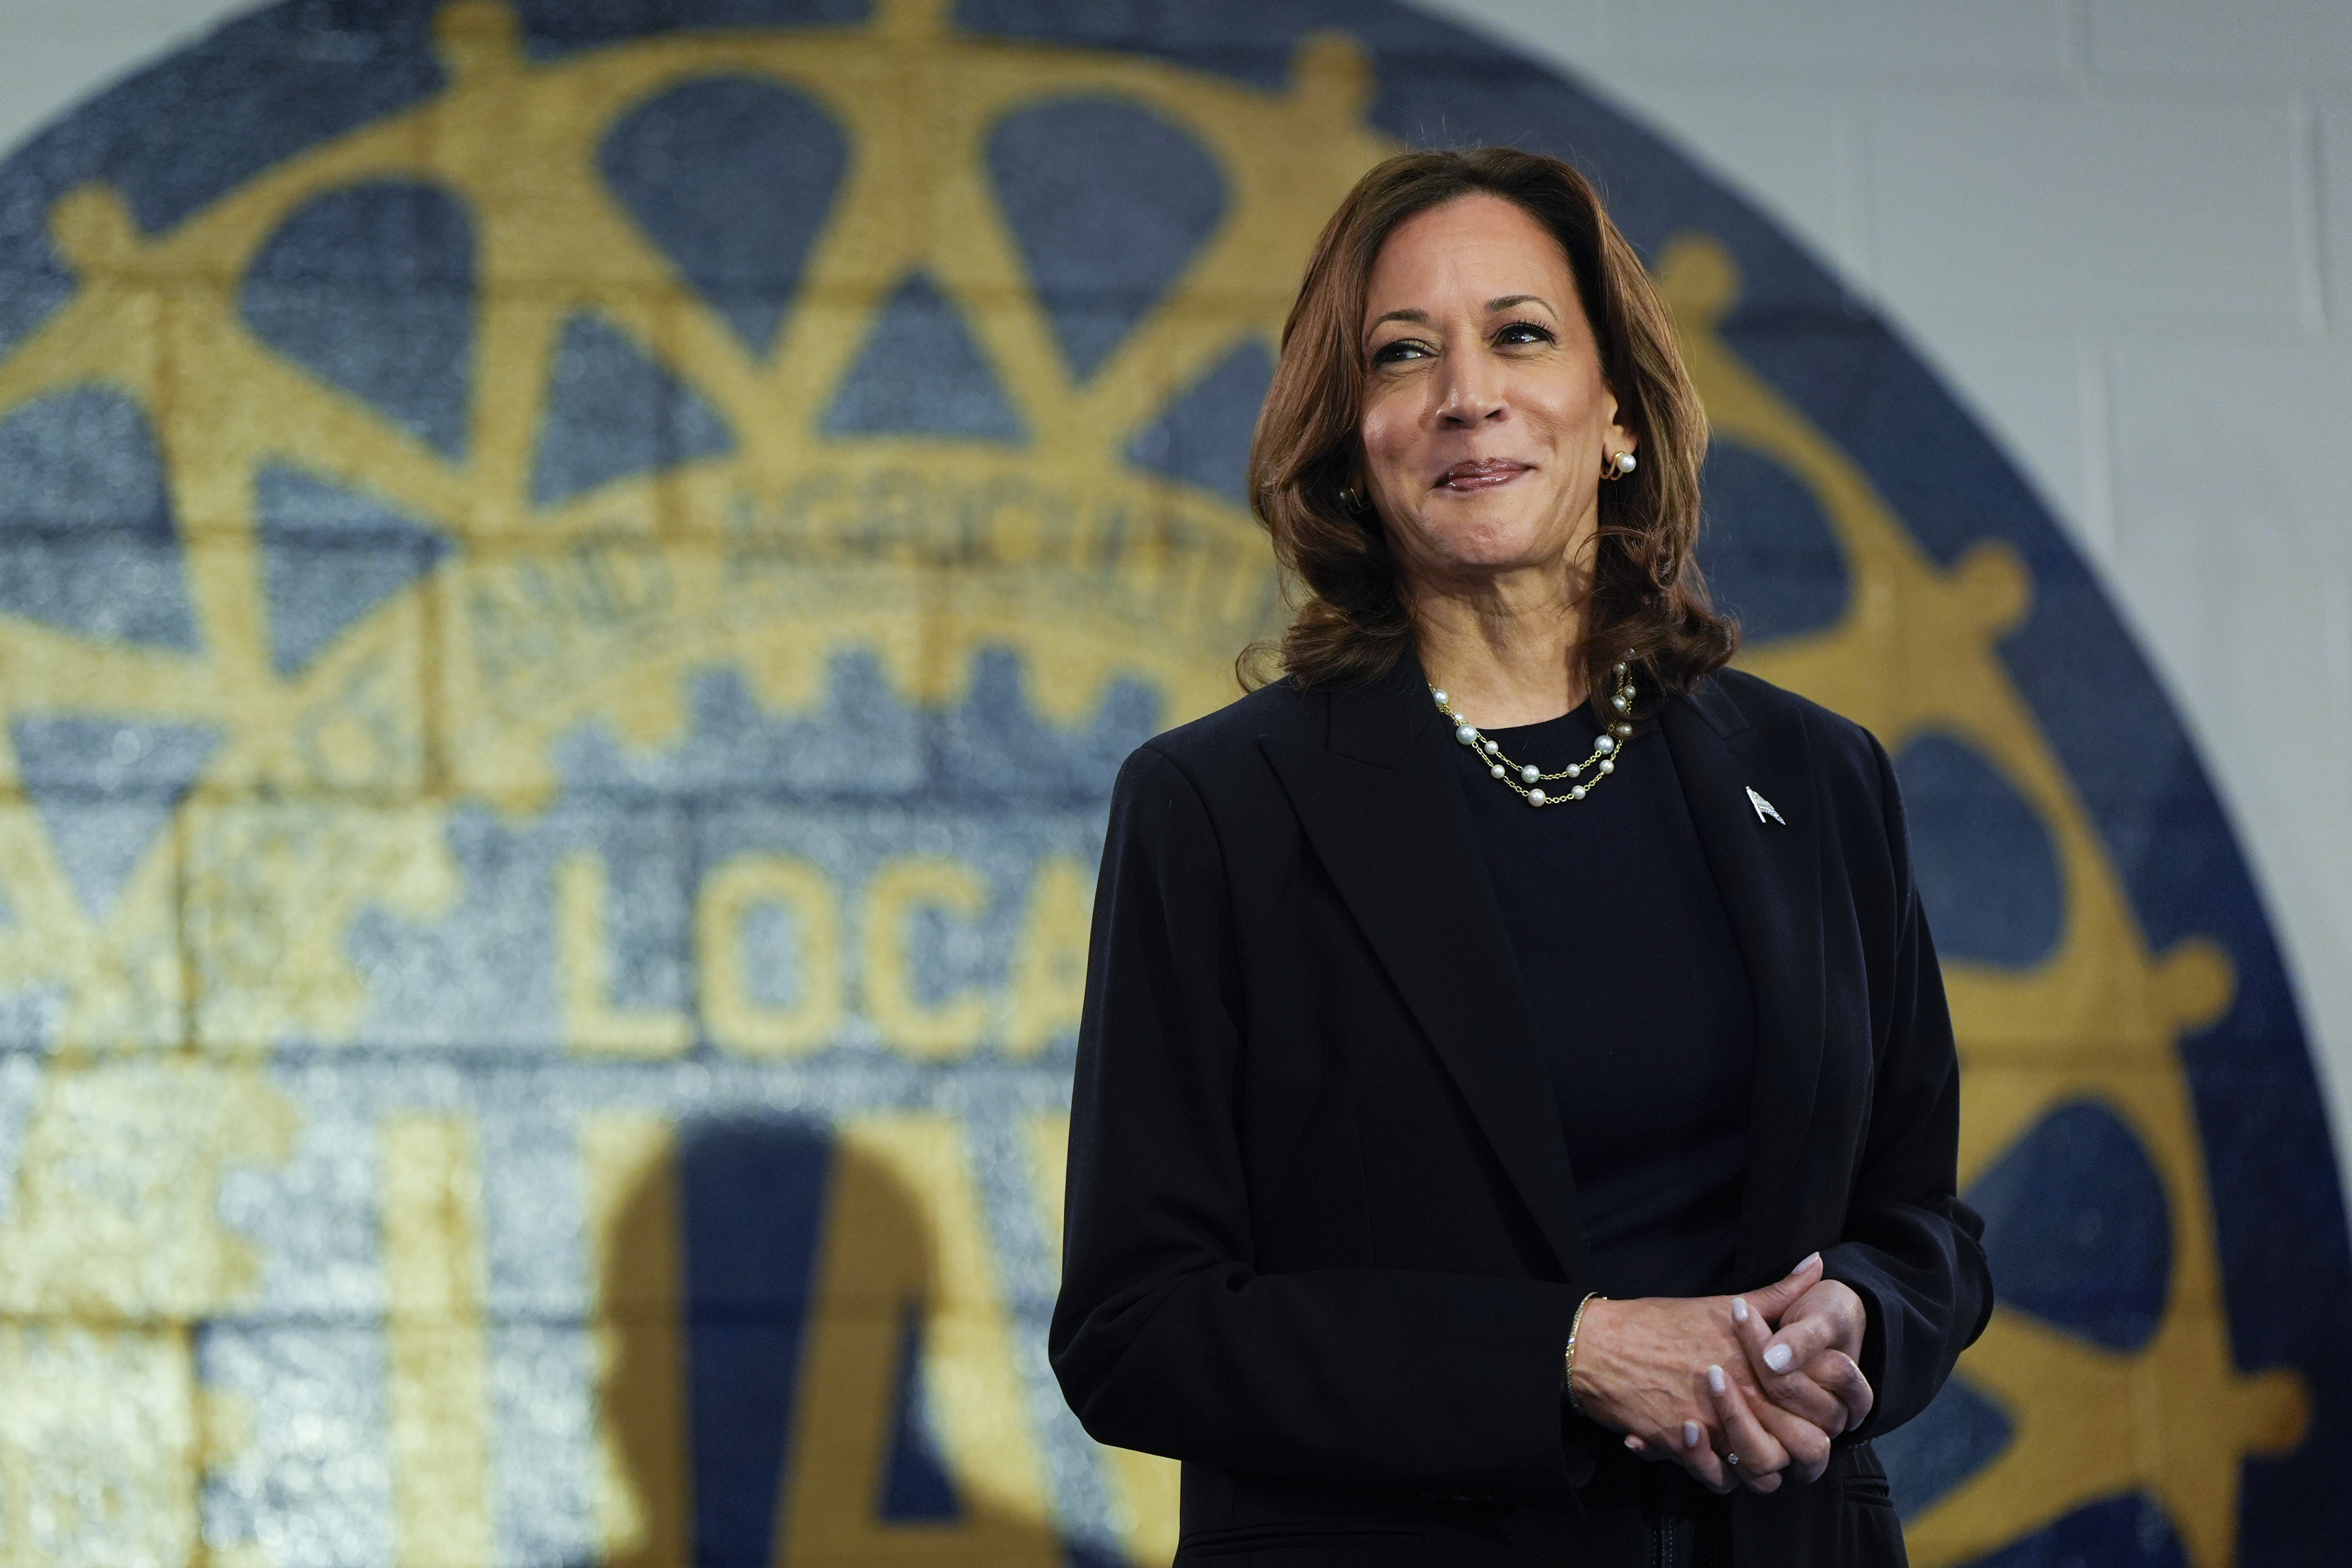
<point x="574" y="578"/>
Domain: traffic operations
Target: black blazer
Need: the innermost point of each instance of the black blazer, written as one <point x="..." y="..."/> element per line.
<point x="1323" y="1242"/>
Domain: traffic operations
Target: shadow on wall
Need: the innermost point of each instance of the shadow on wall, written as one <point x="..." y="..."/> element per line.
<point x="803" y="1358"/>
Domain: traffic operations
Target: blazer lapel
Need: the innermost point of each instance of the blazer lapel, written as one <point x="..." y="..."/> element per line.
<point x="1768" y="869"/>
<point x="1384" y="814"/>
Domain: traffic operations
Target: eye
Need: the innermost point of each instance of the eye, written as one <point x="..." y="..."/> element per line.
<point x="1523" y="332"/>
<point x="1398" y="350"/>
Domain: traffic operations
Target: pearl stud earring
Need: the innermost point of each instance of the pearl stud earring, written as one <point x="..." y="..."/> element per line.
<point x="1618" y="466"/>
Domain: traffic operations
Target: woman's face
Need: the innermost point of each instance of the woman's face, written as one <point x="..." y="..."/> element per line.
<point x="1485" y="418"/>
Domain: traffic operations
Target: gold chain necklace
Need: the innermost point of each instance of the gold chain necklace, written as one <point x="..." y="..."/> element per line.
<point x="1527" y="778"/>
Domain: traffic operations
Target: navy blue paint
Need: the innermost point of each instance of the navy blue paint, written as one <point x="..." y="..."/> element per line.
<point x="329" y="555"/>
<point x="1959" y="1434"/>
<point x="1109" y="203"/>
<point x="104" y="788"/>
<point x="1988" y="871"/>
<point x="372" y="288"/>
<point x="553" y="28"/>
<point x="993" y="746"/>
<point x="87" y="539"/>
<point x="734" y="178"/>
<point x="2077" y="1227"/>
<point x="2116" y="1532"/>
<point x="754" y="1200"/>
<point x="278" y="82"/>
<point x="916" y="1486"/>
<point x="613" y="413"/>
<point x="1203" y="436"/>
<point x="1768" y="551"/>
<point x="922" y="373"/>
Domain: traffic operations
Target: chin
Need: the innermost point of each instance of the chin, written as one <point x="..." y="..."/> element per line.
<point x="1495" y="548"/>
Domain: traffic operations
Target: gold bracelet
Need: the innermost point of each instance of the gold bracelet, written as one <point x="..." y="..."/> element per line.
<point x="1575" y="1326"/>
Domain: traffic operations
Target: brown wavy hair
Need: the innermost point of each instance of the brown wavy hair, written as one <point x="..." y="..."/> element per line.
<point x="1649" y="600"/>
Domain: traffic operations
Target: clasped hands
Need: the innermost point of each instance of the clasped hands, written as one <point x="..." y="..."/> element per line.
<point x="1738" y="1390"/>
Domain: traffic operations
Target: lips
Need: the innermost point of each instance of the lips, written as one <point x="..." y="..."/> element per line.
<point x="1482" y="474"/>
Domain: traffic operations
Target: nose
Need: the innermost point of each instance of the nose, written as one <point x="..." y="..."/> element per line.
<point x="1471" y="393"/>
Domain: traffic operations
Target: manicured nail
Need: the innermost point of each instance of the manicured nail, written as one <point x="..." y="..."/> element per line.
<point x="1810" y="1258"/>
<point x="1715" y="1380"/>
<point x="1690" y="1433"/>
<point x="1738" y="1309"/>
<point x="1633" y="1442"/>
<point x="1778" y="1357"/>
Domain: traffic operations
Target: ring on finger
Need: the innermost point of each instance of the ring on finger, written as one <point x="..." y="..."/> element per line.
<point x="1731" y="1459"/>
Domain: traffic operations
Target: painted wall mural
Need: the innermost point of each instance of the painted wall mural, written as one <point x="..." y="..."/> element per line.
<point x="573" y="576"/>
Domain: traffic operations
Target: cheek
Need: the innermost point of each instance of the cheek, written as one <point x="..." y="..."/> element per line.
<point x="1383" y="429"/>
<point x="1566" y="405"/>
<point x="1388" y="452"/>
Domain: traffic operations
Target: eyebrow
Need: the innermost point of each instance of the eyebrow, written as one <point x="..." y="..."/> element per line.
<point x="1420" y="318"/>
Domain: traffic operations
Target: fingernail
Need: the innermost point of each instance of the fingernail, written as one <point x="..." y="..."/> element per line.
<point x="1738" y="1309"/>
<point x="1810" y="1258"/>
<point x="1690" y="1433"/>
<point x="1715" y="1379"/>
<point x="1778" y="1357"/>
<point x="1633" y="1442"/>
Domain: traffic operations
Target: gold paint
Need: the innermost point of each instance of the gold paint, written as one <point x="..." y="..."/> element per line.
<point x="112" y="1249"/>
<point x="435" y="1343"/>
<point x="583" y="965"/>
<point x="2100" y="1019"/>
<point x="735" y="1018"/>
<point x="644" y="1497"/>
<point x="1049" y="969"/>
<point x="903" y="1233"/>
<point x="116" y="1213"/>
<point x="98" y="1446"/>
<point x="939" y="1031"/>
<point x="266" y="968"/>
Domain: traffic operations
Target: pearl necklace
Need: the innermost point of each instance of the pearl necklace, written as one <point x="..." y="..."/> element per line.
<point x="1527" y="779"/>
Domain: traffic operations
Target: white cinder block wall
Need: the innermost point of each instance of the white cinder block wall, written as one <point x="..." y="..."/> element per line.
<point x="2121" y="228"/>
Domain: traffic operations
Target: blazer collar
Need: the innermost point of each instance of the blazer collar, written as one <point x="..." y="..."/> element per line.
<point x="1381" y="807"/>
<point x="1768" y="872"/>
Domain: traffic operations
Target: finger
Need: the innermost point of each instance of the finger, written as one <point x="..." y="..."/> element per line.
<point x="1804" y="1334"/>
<point x="1835" y="1371"/>
<point x="1808" y="1447"/>
<point x="1795" y="1391"/>
<point x="1698" y="1456"/>
<point x="1762" y="1457"/>
<point x="1778" y="1297"/>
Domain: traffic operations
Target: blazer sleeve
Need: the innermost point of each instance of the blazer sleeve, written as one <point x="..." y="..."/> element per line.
<point x="1911" y="1248"/>
<point x="1166" y="1338"/>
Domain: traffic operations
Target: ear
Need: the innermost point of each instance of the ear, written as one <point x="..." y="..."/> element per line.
<point x="1619" y="438"/>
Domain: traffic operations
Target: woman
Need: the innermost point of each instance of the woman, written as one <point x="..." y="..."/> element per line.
<point x="1474" y="1010"/>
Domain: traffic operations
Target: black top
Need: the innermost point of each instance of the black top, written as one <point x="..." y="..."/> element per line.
<point x="1642" y="1004"/>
